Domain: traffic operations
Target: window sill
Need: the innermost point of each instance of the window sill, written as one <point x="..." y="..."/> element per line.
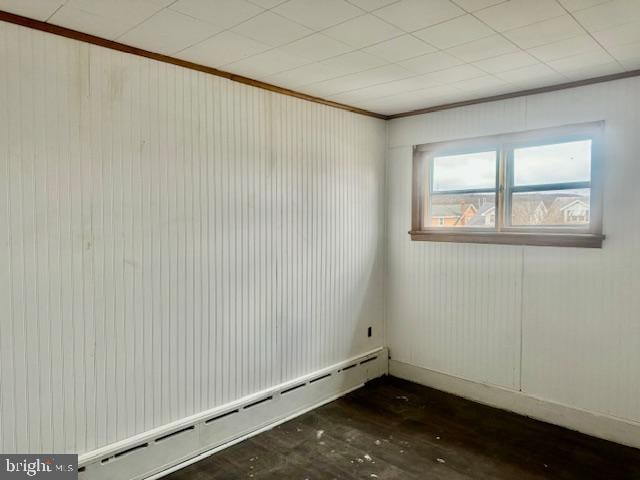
<point x="510" y="238"/>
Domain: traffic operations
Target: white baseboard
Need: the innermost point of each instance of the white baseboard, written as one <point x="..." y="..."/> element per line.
<point x="591" y="423"/>
<point x="160" y="451"/>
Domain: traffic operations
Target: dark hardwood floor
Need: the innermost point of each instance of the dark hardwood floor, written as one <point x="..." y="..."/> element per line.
<point x="393" y="429"/>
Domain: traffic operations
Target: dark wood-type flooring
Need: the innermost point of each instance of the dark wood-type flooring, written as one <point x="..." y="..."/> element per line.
<point x="393" y="429"/>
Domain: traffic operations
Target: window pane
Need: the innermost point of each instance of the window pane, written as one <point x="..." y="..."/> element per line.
<point x="462" y="172"/>
<point x="557" y="163"/>
<point x="467" y="210"/>
<point x="559" y="208"/>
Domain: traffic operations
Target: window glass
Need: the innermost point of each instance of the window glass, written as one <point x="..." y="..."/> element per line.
<point x="556" y="163"/>
<point x="464" y="172"/>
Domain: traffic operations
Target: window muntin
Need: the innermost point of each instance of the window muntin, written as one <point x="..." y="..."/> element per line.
<point x="511" y="186"/>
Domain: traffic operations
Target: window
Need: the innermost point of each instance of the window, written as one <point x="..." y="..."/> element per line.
<point x="537" y="188"/>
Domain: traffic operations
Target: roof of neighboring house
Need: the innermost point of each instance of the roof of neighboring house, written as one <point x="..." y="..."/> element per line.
<point x="445" y="210"/>
<point x="559" y="205"/>
<point x="470" y="206"/>
<point x="577" y="200"/>
<point x="483" y="211"/>
<point x="450" y="210"/>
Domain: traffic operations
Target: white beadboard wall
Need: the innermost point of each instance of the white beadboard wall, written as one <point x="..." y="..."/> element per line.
<point x="561" y="324"/>
<point x="171" y="241"/>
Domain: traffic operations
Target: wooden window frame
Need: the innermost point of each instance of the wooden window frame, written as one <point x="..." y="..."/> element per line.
<point x="589" y="236"/>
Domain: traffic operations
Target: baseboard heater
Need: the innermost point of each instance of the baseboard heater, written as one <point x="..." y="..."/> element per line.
<point x="161" y="450"/>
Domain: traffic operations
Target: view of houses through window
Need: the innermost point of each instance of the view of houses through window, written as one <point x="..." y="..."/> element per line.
<point x="568" y="207"/>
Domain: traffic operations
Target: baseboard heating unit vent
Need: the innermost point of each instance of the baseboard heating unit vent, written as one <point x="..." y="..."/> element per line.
<point x="156" y="453"/>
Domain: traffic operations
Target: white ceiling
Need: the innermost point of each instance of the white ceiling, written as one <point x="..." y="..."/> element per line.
<point x="387" y="56"/>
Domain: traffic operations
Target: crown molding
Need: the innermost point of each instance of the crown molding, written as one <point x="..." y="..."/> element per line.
<point x="121" y="47"/>
<point x="519" y="93"/>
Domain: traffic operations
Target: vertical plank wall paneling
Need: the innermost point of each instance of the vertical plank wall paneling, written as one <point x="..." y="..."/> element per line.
<point x="560" y="324"/>
<point x="171" y="241"/>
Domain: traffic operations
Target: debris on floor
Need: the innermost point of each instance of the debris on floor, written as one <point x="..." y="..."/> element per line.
<point x="397" y="443"/>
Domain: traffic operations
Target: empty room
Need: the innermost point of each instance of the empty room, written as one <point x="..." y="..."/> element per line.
<point x="319" y="239"/>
